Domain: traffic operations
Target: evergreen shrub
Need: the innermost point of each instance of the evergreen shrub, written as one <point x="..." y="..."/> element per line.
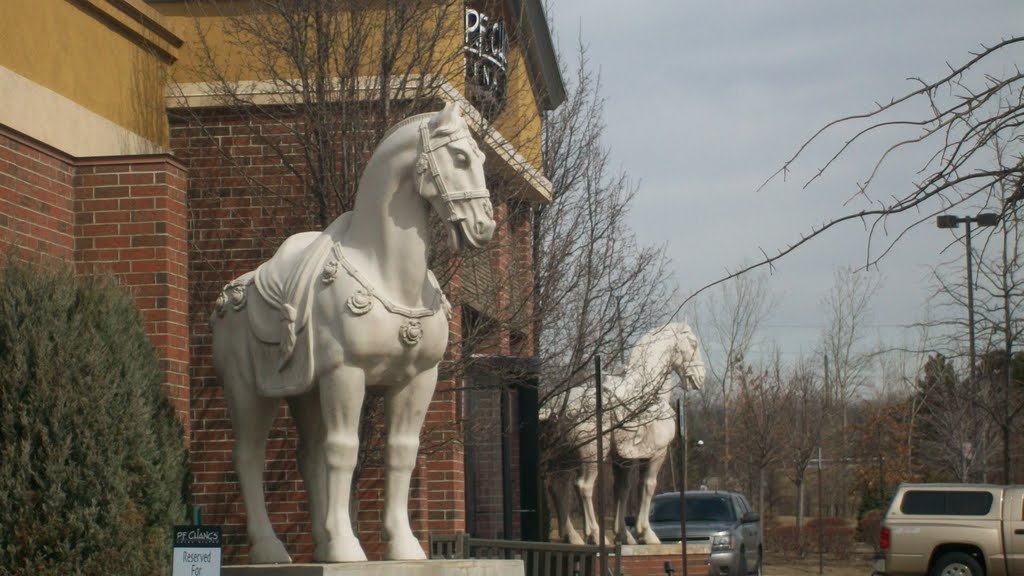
<point x="92" y="463"/>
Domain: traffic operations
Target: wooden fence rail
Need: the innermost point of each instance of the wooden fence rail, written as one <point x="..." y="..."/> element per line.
<point x="539" y="558"/>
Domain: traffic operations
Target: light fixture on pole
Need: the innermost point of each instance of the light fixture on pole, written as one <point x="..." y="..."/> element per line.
<point x="948" y="221"/>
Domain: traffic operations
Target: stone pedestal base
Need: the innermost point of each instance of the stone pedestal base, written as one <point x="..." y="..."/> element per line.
<point x="394" y="568"/>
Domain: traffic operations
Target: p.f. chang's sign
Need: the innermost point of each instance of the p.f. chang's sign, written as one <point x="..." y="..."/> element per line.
<point x="486" y="48"/>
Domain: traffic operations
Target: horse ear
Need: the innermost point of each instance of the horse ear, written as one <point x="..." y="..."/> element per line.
<point x="447" y="119"/>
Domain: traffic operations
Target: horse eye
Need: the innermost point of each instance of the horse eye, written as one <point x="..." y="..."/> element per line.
<point x="461" y="159"/>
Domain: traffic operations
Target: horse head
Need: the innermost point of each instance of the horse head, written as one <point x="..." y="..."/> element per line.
<point x="687" y="361"/>
<point x="670" y="349"/>
<point x="450" y="176"/>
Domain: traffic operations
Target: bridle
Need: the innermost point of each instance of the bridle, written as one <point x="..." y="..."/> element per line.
<point x="693" y="361"/>
<point x="427" y="161"/>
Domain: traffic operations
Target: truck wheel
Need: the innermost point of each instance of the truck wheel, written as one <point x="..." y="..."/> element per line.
<point x="956" y="564"/>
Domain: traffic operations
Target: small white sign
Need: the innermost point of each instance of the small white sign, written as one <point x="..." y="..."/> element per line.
<point x="196" y="551"/>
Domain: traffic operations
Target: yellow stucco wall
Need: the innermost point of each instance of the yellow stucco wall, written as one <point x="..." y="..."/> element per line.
<point x="520" y="119"/>
<point x="210" y="36"/>
<point x="110" y="60"/>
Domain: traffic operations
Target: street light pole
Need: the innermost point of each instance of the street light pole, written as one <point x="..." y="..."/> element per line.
<point x="949" y="222"/>
<point x="970" y="300"/>
<point x="682" y="492"/>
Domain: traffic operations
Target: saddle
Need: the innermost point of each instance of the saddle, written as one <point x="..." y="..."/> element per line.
<point x="277" y="299"/>
<point x="286" y="283"/>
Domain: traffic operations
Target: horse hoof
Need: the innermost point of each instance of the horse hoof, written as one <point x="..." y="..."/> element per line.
<point x="268" y="551"/>
<point x="340" y="552"/>
<point x="407" y="548"/>
<point x="629" y="539"/>
<point x="575" y="538"/>
<point x="649" y="537"/>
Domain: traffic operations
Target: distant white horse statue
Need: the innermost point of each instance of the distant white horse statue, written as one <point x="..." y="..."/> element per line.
<point x="337" y="313"/>
<point x="640" y="423"/>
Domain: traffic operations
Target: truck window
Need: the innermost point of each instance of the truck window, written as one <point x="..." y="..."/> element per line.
<point x="969" y="503"/>
<point x="946" y="503"/>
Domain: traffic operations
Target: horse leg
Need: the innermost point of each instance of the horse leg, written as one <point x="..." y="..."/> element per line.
<point x="585" y="491"/>
<point x="622" y="472"/>
<point x="341" y="400"/>
<point x="308" y="417"/>
<point x="555" y="486"/>
<point x="405" y="408"/>
<point x="251" y="418"/>
<point x="649" y="482"/>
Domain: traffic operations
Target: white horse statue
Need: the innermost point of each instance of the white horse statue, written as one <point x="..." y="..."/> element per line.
<point x="640" y="423"/>
<point x="338" y="313"/>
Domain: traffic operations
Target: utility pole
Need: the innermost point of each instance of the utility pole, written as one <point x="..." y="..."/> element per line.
<point x="682" y="493"/>
<point x="603" y="562"/>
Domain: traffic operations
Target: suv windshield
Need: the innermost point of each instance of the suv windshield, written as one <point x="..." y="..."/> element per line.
<point x="698" y="509"/>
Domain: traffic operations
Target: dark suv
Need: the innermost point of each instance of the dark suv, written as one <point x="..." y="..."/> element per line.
<point x="724" y="520"/>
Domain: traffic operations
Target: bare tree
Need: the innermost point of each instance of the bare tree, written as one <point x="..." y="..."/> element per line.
<point x="901" y="373"/>
<point x="322" y="80"/>
<point x="845" y="362"/>
<point x="730" y="320"/>
<point x="596" y="289"/>
<point x="761" y="400"/>
<point x="953" y="120"/>
<point x="998" y="304"/>
<point x="997" y="298"/>
<point x="955" y="438"/>
<point x="803" y="436"/>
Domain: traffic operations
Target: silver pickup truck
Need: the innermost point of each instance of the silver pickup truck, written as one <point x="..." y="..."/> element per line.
<point x="953" y="530"/>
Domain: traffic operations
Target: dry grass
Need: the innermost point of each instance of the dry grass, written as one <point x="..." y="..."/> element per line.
<point x="860" y="564"/>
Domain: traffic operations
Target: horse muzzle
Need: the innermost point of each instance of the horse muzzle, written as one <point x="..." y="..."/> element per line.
<point x="472" y="224"/>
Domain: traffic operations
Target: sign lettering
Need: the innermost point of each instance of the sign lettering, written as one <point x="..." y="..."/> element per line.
<point x="196" y="551"/>
<point x="486" y="48"/>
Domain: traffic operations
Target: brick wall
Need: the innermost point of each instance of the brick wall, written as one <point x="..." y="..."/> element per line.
<point x="650" y="560"/>
<point x="240" y="208"/>
<point x="124" y="215"/>
<point x="36" y="198"/>
<point x="130" y="220"/>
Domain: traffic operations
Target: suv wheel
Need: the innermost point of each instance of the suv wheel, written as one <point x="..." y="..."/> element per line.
<point x="743" y="561"/>
<point x="956" y="564"/>
<point x="760" y="563"/>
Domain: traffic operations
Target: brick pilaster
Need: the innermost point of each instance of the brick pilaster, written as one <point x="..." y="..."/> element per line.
<point x="129" y="219"/>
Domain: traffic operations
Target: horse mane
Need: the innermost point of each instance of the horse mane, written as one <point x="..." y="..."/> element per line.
<point x="655" y="340"/>
<point x="442" y="130"/>
<point x="403" y="123"/>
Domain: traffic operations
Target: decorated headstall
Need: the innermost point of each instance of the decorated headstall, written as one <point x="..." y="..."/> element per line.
<point x="428" y="161"/>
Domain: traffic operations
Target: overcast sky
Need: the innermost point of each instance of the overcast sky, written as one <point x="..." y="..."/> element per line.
<point x="705" y="100"/>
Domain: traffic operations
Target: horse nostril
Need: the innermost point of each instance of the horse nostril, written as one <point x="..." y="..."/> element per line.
<point x="484" y="228"/>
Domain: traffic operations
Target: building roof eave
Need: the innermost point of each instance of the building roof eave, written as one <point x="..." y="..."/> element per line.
<point x="540" y="52"/>
<point x="207" y="94"/>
